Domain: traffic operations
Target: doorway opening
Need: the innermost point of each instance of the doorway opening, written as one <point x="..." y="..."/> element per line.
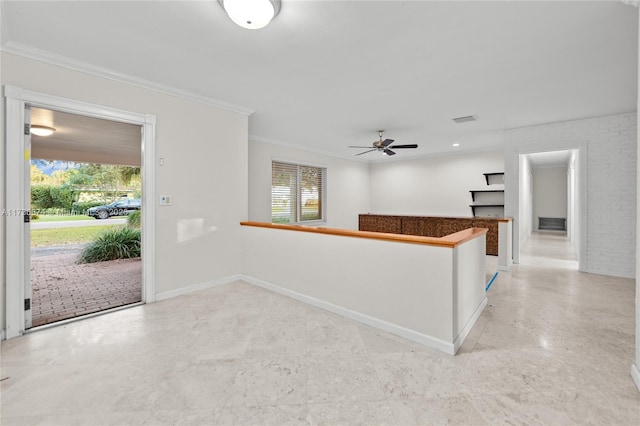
<point x="549" y="199"/>
<point x="19" y="104"/>
<point x="85" y="192"/>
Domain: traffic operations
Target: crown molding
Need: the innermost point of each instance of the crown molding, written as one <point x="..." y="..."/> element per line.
<point x="260" y="139"/>
<point x="51" y="58"/>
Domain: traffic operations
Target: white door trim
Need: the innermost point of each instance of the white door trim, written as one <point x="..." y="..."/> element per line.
<point x="16" y="99"/>
<point x="512" y="191"/>
<point x="26" y="227"/>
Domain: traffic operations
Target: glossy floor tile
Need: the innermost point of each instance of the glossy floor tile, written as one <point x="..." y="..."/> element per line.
<point x="553" y="346"/>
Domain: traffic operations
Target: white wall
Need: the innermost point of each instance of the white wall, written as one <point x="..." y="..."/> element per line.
<point x="572" y="199"/>
<point x="525" y="206"/>
<point x="549" y="193"/>
<point x="3" y="280"/>
<point x="437" y="186"/>
<point x="347" y="183"/>
<point x="204" y="171"/>
<point x="635" y="369"/>
<point x="607" y="184"/>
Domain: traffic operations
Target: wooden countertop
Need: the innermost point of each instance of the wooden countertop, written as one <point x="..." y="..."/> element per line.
<point x="451" y="240"/>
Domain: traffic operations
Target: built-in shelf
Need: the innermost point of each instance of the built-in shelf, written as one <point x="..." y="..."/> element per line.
<point x="473" y="193"/>
<point x="475" y="206"/>
<point x="499" y="179"/>
<point x="483" y="200"/>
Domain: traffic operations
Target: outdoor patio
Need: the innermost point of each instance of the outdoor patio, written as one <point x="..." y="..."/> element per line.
<point x="63" y="289"/>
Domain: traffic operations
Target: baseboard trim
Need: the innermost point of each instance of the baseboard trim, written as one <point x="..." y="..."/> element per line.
<point x="469" y="325"/>
<point x="196" y="287"/>
<point x="414" y="336"/>
<point x="635" y="374"/>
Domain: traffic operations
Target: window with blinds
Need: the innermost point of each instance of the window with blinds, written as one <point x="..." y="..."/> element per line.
<point x="297" y="193"/>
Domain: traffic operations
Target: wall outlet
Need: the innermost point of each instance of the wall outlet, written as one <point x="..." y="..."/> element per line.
<point x="165" y="200"/>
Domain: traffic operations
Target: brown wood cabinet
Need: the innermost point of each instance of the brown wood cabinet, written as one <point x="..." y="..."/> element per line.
<point x="431" y="226"/>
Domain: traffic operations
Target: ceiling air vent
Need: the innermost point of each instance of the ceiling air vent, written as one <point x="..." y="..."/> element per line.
<point x="465" y="119"/>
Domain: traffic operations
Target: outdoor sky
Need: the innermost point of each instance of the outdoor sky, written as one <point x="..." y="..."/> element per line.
<point x="48" y="167"/>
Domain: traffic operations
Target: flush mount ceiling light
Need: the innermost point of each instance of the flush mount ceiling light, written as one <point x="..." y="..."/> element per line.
<point x="251" y="14"/>
<point x="42" y="130"/>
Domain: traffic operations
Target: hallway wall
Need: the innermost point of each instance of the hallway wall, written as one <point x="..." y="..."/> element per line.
<point x="549" y="193"/>
<point x="525" y="203"/>
<point x="609" y="212"/>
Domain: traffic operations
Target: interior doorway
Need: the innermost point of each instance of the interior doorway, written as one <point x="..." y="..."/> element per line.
<point x="19" y="103"/>
<point x="549" y="196"/>
<point x="85" y="190"/>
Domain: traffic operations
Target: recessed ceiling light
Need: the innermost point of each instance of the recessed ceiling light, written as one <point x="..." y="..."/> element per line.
<point x="455" y="144"/>
<point x="41" y="130"/>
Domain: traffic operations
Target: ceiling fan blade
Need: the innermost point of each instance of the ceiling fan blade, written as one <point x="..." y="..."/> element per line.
<point x="387" y="142"/>
<point x="404" y="146"/>
<point x="374" y="149"/>
<point x="363" y="147"/>
<point x="389" y="152"/>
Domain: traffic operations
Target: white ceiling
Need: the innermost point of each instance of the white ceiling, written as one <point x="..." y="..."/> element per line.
<point x="328" y="74"/>
<point x="549" y="159"/>
<point x="85" y="139"/>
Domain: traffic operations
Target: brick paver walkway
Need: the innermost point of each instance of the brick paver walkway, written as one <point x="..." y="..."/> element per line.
<point x="63" y="289"/>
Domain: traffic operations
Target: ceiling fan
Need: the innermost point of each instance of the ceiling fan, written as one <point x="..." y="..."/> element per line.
<point x="383" y="146"/>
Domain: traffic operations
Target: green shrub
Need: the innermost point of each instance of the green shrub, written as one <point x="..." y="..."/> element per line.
<point x="117" y="243"/>
<point x="48" y="196"/>
<point x="60" y="196"/>
<point x="41" y="197"/>
<point x="82" y="207"/>
<point x="133" y="219"/>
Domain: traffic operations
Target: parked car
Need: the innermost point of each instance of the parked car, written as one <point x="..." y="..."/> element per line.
<point x="117" y="208"/>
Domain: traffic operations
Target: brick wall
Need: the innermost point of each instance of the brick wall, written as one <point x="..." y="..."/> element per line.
<point x="610" y="143"/>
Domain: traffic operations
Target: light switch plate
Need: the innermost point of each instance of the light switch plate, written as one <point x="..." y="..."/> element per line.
<point x="165" y="200"/>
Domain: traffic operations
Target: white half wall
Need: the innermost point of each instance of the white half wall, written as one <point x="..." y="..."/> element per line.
<point x="426" y="293"/>
<point x="432" y="186"/>
<point x="549" y="193"/>
<point x="204" y="171"/>
<point x="347" y="189"/>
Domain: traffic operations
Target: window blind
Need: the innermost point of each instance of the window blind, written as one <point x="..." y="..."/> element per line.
<point x="284" y="190"/>
<point x="297" y="193"/>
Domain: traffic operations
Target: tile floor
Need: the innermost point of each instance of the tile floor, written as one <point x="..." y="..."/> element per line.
<point x="554" y="346"/>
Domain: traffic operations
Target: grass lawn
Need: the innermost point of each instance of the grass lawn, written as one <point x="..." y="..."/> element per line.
<point x="60" y="218"/>
<point x="61" y="236"/>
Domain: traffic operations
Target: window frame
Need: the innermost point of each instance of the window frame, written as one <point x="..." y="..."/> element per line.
<point x="322" y="196"/>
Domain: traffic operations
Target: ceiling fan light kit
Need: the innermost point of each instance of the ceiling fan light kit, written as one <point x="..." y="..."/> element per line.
<point x="383" y="146"/>
<point x="251" y="14"/>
